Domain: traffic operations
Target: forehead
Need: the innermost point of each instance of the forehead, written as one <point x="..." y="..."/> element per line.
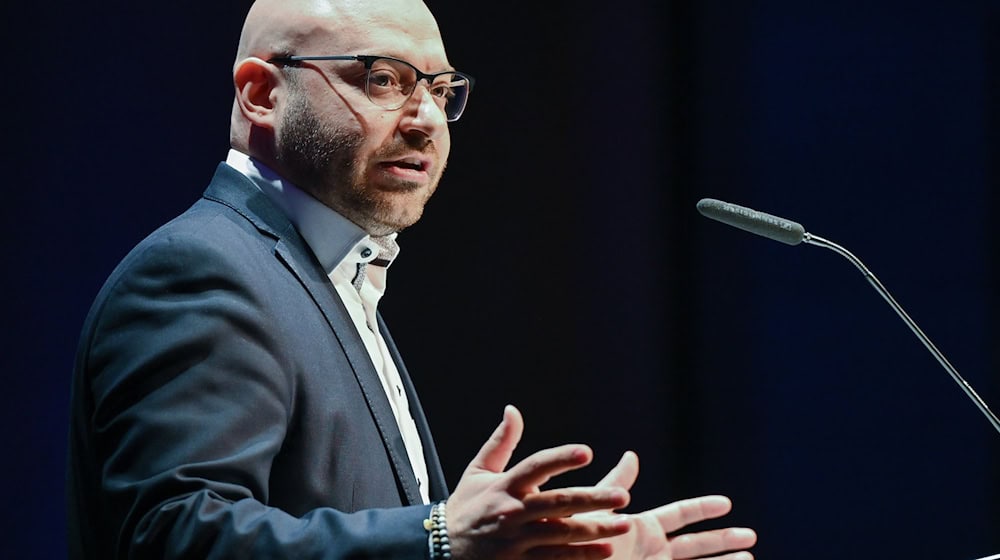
<point x="399" y="28"/>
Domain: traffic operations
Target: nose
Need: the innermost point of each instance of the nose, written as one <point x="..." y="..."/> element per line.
<point x="422" y="114"/>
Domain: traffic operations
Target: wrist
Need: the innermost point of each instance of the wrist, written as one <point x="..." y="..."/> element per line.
<point x="436" y="524"/>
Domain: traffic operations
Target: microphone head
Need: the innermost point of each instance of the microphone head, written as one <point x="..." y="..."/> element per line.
<point x="772" y="227"/>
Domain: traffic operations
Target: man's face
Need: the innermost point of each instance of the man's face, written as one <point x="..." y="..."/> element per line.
<point x="376" y="167"/>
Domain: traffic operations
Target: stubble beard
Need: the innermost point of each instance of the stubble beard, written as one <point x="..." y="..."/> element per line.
<point x="325" y="161"/>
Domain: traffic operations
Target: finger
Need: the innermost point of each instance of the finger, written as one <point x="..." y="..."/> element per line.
<point x="539" y="467"/>
<point x="697" y="545"/>
<point x="742" y="555"/>
<point x="685" y="512"/>
<point x="564" y="502"/>
<point x="496" y="452"/>
<point x="624" y="473"/>
<point x="552" y="532"/>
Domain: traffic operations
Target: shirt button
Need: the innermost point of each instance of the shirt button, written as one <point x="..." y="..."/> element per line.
<point x="366" y="252"/>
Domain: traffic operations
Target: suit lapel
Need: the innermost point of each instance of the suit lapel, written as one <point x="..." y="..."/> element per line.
<point x="438" y="486"/>
<point x="231" y="188"/>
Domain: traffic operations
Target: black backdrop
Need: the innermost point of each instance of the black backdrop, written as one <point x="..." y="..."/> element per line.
<point x="562" y="266"/>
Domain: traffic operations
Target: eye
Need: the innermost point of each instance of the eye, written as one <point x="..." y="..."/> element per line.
<point x="448" y="86"/>
<point x="383" y="80"/>
<point x="443" y="90"/>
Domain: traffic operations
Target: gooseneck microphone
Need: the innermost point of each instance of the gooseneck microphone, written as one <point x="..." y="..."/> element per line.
<point x="772" y="227"/>
<point x="792" y="233"/>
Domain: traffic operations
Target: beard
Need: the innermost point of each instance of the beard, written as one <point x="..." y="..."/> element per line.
<point x="325" y="161"/>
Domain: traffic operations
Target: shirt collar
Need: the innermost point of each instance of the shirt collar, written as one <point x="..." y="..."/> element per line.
<point x="333" y="238"/>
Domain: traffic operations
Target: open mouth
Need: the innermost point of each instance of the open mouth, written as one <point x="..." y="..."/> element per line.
<point x="408" y="173"/>
<point x="412" y="164"/>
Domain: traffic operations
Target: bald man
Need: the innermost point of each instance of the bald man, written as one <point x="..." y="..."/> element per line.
<point x="236" y="393"/>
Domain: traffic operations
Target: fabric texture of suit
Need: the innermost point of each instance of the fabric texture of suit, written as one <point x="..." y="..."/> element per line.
<point x="224" y="405"/>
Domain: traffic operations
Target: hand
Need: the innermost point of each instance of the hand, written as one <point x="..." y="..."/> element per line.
<point x="501" y="514"/>
<point x="650" y="533"/>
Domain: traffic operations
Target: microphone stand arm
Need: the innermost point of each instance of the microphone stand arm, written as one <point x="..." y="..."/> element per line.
<point x="962" y="383"/>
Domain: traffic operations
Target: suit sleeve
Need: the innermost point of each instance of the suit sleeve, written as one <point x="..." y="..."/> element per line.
<point x="191" y="395"/>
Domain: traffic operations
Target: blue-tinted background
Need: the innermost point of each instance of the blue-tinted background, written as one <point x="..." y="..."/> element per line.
<point x="562" y="265"/>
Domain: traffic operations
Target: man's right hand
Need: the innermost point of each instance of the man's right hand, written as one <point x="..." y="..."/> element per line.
<point x="498" y="513"/>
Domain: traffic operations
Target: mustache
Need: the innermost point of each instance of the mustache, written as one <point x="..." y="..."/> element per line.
<point x="406" y="146"/>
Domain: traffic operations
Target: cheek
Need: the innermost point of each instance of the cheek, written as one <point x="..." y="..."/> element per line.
<point x="378" y="123"/>
<point x="444" y="144"/>
<point x="444" y="150"/>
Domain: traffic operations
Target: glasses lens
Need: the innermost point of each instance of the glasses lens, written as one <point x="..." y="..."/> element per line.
<point x="391" y="82"/>
<point x="452" y="91"/>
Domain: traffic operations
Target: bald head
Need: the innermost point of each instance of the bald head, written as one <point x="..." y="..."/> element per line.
<point x="280" y="27"/>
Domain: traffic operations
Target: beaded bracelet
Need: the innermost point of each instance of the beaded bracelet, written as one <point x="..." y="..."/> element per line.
<point x="436" y="525"/>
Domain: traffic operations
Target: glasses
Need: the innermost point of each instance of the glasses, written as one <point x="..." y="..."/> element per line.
<point x="390" y="82"/>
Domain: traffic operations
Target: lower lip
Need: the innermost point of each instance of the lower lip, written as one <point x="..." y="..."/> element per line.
<point x="404" y="173"/>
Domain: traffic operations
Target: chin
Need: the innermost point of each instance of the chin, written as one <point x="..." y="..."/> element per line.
<point x="399" y="222"/>
<point x="403" y="209"/>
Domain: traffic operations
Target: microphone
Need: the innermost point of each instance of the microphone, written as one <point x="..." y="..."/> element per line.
<point x="792" y="233"/>
<point x="772" y="227"/>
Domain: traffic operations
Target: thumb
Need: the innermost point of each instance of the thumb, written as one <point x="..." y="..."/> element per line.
<point x="624" y="473"/>
<point x="497" y="451"/>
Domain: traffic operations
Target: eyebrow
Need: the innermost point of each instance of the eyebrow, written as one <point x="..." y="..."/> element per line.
<point x="403" y="57"/>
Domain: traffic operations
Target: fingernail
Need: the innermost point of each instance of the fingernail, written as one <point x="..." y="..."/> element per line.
<point x="740" y="533"/>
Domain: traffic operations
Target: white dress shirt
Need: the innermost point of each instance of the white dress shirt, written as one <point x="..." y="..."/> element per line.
<point x="340" y="246"/>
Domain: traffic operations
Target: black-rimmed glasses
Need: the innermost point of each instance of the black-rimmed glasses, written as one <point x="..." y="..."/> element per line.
<point x="390" y="82"/>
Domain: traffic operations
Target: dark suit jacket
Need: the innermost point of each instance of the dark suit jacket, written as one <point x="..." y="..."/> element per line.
<point x="224" y="405"/>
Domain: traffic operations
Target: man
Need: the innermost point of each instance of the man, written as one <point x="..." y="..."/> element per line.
<point x="236" y="395"/>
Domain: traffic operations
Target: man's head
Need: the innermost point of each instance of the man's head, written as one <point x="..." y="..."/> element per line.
<point x="313" y="122"/>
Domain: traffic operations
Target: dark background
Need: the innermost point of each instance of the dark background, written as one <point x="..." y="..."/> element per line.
<point x="562" y="266"/>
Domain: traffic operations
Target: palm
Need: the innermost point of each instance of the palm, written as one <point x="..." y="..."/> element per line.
<point x="645" y="540"/>
<point x="650" y="537"/>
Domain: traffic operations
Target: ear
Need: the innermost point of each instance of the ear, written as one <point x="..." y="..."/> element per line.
<point x="259" y="86"/>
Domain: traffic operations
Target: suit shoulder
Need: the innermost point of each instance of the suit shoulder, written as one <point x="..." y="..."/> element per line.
<point x="209" y="246"/>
